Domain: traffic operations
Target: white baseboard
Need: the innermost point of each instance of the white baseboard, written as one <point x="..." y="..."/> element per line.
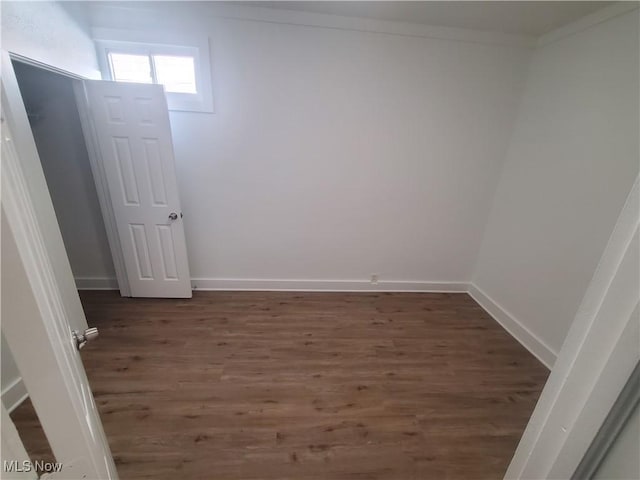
<point x="14" y="394"/>
<point x="325" y="285"/>
<point x="96" y="283"/>
<point x="529" y="340"/>
<point x="106" y="283"/>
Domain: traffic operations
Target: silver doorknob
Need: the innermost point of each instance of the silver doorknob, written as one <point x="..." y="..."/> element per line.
<point x="82" y="338"/>
<point x="173" y="216"/>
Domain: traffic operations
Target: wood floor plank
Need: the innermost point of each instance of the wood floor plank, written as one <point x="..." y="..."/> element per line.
<point x="275" y="385"/>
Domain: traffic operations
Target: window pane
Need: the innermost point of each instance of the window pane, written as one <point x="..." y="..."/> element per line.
<point x="177" y="74"/>
<point x="130" y="68"/>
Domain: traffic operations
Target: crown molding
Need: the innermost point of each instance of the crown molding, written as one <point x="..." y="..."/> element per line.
<point x="102" y="11"/>
<point x="600" y="16"/>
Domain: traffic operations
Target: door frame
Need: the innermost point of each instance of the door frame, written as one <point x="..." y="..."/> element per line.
<point x="595" y="363"/>
<point x="93" y="152"/>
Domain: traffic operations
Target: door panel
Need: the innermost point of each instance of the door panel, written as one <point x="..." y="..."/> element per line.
<point x="35" y="317"/>
<point x="134" y="139"/>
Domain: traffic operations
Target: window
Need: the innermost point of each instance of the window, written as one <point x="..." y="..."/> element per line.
<point x="126" y="67"/>
<point x="182" y="68"/>
<point x="176" y="73"/>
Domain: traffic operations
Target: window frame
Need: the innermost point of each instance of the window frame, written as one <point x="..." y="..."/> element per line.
<point x="138" y="43"/>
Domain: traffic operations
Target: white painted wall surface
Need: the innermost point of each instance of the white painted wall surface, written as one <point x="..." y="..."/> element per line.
<point x="570" y="165"/>
<point x="9" y="375"/>
<point x="49" y="33"/>
<point x="334" y="154"/>
<point x="9" y="370"/>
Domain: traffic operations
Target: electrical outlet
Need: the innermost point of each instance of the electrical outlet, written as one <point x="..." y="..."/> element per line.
<point x="374" y="278"/>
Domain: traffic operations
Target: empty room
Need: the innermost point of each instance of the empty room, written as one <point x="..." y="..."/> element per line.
<point x="323" y="240"/>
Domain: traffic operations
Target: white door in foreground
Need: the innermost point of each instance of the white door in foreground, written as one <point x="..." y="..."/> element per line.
<point x="36" y="322"/>
<point x="134" y="141"/>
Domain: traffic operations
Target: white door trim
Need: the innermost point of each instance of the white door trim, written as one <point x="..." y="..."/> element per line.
<point x="35" y="322"/>
<point x="594" y="364"/>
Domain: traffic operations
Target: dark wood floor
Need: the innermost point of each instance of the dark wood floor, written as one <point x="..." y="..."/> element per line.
<point x="238" y="385"/>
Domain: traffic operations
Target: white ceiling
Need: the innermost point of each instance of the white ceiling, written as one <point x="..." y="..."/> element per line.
<point x="528" y="18"/>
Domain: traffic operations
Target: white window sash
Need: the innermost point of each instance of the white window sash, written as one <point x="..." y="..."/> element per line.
<point x="149" y="43"/>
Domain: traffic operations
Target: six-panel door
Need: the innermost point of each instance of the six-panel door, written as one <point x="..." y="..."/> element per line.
<point x="134" y="140"/>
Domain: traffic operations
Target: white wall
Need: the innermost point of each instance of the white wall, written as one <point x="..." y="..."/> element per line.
<point x="45" y="32"/>
<point x="334" y="153"/>
<point x="13" y="390"/>
<point x="49" y="33"/>
<point x="570" y="165"/>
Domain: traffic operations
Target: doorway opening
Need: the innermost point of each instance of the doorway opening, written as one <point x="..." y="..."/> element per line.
<point x="55" y="123"/>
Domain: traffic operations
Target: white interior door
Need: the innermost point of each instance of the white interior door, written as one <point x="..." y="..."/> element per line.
<point x="36" y="317"/>
<point x="133" y="137"/>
